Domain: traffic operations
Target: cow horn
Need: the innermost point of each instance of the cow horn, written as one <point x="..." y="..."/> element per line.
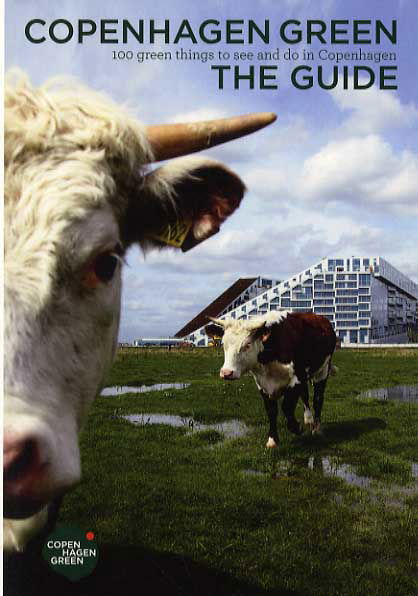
<point x="220" y="322"/>
<point x="174" y="140"/>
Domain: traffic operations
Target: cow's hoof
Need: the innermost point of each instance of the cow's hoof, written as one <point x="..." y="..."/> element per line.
<point x="317" y="430"/>
<point x="271" y="443"/>
<point x="308" y="419"/>
<point x="294" y="427"/>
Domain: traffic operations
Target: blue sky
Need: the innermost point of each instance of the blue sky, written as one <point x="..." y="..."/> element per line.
<point x="337" y="174"/>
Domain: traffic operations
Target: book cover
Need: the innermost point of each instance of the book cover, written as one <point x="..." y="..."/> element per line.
<point x="229" y="212"/>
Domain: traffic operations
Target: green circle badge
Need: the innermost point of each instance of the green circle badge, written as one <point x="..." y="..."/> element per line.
<point x="71" y="551"/>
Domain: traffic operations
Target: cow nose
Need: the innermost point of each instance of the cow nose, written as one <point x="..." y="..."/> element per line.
<point x="22" y="467"/>
<point x="226" y="373"/>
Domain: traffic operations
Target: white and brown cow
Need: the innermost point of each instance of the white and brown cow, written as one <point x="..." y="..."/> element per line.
<point x="78" y="193"/>
<point x="283" y="351"/>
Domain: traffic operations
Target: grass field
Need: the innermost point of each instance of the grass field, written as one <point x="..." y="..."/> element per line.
<point x="187" y="513"/>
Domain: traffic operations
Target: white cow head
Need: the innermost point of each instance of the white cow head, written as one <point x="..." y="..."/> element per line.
<point x="243" y="341"/>
<point x="78" y="193"/>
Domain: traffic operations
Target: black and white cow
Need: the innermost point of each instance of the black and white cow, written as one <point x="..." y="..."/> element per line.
<point x="283" y="351"/>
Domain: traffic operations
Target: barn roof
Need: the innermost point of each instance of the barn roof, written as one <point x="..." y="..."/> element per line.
<point x="217" y="306"/>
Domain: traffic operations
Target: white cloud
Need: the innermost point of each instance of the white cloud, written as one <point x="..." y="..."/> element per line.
<point x="278" y="142"/>
<point x="373" y="110"/>
<point x="205" y="113"/>
<point x="362" y="170"/>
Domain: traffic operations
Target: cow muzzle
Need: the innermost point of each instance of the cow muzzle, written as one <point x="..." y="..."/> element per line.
<point x="23" y="475"/>
<point x="41" y="461"/>
<point x="228" y="375"/>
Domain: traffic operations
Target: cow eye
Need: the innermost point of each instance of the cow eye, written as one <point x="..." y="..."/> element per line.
<point x="245" y="347"/>
<point x="105" y="266"/>
<point x="101" y="270"/>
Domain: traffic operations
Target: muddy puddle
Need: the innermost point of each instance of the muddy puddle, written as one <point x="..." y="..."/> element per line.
<point x="332" y="467"/>
<point x="117" y="390"/>
<point x="402" y="393"/>
<point x="230" y="429"/>
<point x="325" y="465"/>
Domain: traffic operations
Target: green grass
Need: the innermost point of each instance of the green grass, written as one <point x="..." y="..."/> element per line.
<point x="176" y="513"/>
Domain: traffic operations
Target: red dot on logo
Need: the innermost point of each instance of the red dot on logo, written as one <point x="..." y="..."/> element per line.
<point x="90" y="536"/>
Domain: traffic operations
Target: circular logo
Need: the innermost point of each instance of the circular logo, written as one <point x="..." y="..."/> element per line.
<point x="71" y="551"/>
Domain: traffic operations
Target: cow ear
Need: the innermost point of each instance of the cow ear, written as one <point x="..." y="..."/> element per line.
<point x="214" y="330"/>
<point x="262" y="333"/>
<point x="183" y="203"/>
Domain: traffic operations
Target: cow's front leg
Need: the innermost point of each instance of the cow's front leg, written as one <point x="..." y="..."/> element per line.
<point x="270" y="405"/>
<point x="290" y="400"/>
<point x="307" y="414"/>
<point x="318" y="400"/>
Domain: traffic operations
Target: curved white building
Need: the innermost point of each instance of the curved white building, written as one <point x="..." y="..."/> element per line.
<point x="366" y="299"/>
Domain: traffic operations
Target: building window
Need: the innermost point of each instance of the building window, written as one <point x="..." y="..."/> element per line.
<point x="363" y="333"/>
<point x="324" y="309"/>
<point x="364" y="279"/>
<point x="301" y="296"/>
<point x="300" y="303"/>
<point x="348" y="323"/>
<point x="346" y="292"/>
<point x="352" y="300"/>
<point x="345" y="315"/>
<point x="353" y="337"/>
